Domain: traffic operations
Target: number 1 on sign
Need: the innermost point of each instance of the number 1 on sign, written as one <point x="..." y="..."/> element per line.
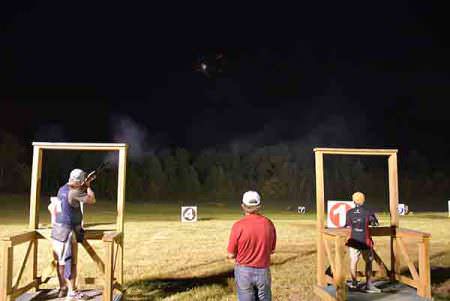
<point x="341" y="211"/>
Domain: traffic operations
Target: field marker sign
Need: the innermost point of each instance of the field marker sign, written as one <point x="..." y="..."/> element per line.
<point x="301" y="209"/>
<point x="402" y="209"/>
<point x="189" y="214"/>
<point x="337" y="213"/>
<point x="448" y="208"/>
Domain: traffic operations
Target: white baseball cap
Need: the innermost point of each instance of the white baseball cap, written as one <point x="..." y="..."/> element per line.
<point x="77" y="176"/>
<point x="251" y="198"/>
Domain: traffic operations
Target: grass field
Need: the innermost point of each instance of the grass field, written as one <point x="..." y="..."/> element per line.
<point x="168" y="260"/>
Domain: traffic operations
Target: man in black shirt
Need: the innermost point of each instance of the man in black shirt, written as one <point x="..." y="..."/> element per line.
<point x="360" y="240"/>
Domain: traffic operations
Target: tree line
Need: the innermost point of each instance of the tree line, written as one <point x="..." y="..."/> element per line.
<point x="283" y="173"/>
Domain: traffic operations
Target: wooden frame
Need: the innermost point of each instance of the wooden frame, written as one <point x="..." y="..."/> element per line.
<point x="420" y="280"/>
<point x="111" y="268"/>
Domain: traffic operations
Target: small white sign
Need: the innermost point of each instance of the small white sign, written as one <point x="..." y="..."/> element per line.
<point x="301" y="209"/>
<point x="448" y="208"/>
<point x="402" y="209"/>
<point x="337" y="213"/>
<point x="189" y="213"/>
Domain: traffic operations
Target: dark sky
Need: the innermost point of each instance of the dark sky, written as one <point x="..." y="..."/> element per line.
<point x="356" y="74"/>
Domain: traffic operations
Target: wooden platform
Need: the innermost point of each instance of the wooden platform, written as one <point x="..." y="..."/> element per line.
<point x="41" y="295"/>
<point x="389" y="292"/>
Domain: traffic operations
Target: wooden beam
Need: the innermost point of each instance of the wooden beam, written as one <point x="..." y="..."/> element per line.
<point x="108" y="286"/>
<point x="6" y="272"/>
<point x="355" y="151"/>
<point x="406" y="280"/>
<point x="320" y="203"/>
<point x="89" y="234"/>
<point x="121" y="185"/>
<point x="409" y="262"/>
<point x="339" y="277"/>
<point x="22" y="267"/>
<point x="91" y="252"/>
<point x="384" y="271"/>
<point x="36" y="174"/>
<point x="81" y="146"/>
<point x="330" y="258"/>
<point x="412" y="234"/>
<point x="424" y="269"/>
<point x="112" y="236"/>
<point x="323" y="294"/>
<point x="20" y="238"/>
<point x="393" y="189"/>
<point x="19" y="291"/>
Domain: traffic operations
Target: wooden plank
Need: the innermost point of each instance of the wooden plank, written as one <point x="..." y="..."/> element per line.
<point x="121" y="193"/>
<point x="409" y="262"/>
<point x="424" y="269"/>
<point x="330" y="258"/>
<point x="91" y="252"/>
<point x="89" y="234"/>
<point x="412" y="234"/>
<point x="24" y="263"/>
<point x="81" y="146"/>
<point x="121" y="185"/>
<point x="36" y="174"/>
<point x="119" y="271"/>
<point x="393" y="189"/>
<point x="320" y="202"/>
<point x="20" y="238"/>
<point x="344" y="232"/>
<point x="6" y="272"/>
<point x="339" y="277"/>
<point x="19" y="291"/>
<point x="323" y="294"/>
<point x="355" y="151"/>
<point x="108" y="286"/>
<point x="112" y="236"/>
<point x="384" y="271"/>
<point x="406" y="280"/>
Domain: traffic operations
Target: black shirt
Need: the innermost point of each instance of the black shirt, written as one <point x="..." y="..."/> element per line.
<point x="359" y="219"/>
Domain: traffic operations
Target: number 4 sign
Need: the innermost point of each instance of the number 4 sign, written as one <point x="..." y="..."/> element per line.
<point x="337" y="213"/>
<point x="189" y="213"/>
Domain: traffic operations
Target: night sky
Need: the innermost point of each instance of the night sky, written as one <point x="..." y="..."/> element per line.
<point x="354" y="75"/>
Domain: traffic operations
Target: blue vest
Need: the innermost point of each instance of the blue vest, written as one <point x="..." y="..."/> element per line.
<point x="71" y="216"/>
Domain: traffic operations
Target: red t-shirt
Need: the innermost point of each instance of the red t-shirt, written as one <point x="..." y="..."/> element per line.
<point x="253" y="239"/>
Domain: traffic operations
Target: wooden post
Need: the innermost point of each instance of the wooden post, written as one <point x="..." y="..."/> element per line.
<point x="341" y="288"/>
<point x="120" y="209"/>
<point x="35" y="194"/>
<point x="108" y="288"/>
<point x="7" y="271"/>
<point x="320" y="201"/>
<point x="393" y="204"/>
<point x="424" y="269"/>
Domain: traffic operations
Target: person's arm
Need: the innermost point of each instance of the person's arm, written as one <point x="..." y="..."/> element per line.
<point x="373" y="220"/>
<point x="90" y="197"/>
<point x="274" y="243"/>
<point x="233" y="242"/>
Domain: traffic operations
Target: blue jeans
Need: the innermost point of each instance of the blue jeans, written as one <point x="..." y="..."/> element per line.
<point x="253" y="283"/>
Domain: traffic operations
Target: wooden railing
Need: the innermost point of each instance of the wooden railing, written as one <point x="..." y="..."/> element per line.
<point x="420" y="279"/>
<point x="111" y="268"/>
<point x="10" y="289"/>
<point x="334" y="239"/>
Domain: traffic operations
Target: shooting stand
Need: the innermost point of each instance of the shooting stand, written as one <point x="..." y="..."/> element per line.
<point x="334" y="287"/>
<point x="110" y="267"/>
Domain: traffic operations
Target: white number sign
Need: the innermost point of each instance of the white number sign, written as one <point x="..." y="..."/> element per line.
<point x="189" y="213"/>
<point x="301" y="209"/>
<point x="448" y="208"/>
<point x="337" y="213"/>
<point x="402" y="209"/>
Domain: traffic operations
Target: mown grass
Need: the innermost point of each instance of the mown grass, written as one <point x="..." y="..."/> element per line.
<point x="169" y="260"/>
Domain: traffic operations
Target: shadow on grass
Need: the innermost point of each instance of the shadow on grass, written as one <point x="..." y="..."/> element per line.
<point x="157" y="288"/>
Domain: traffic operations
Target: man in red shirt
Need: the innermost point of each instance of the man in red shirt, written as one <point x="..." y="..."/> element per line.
<point x="252" y="241"/>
